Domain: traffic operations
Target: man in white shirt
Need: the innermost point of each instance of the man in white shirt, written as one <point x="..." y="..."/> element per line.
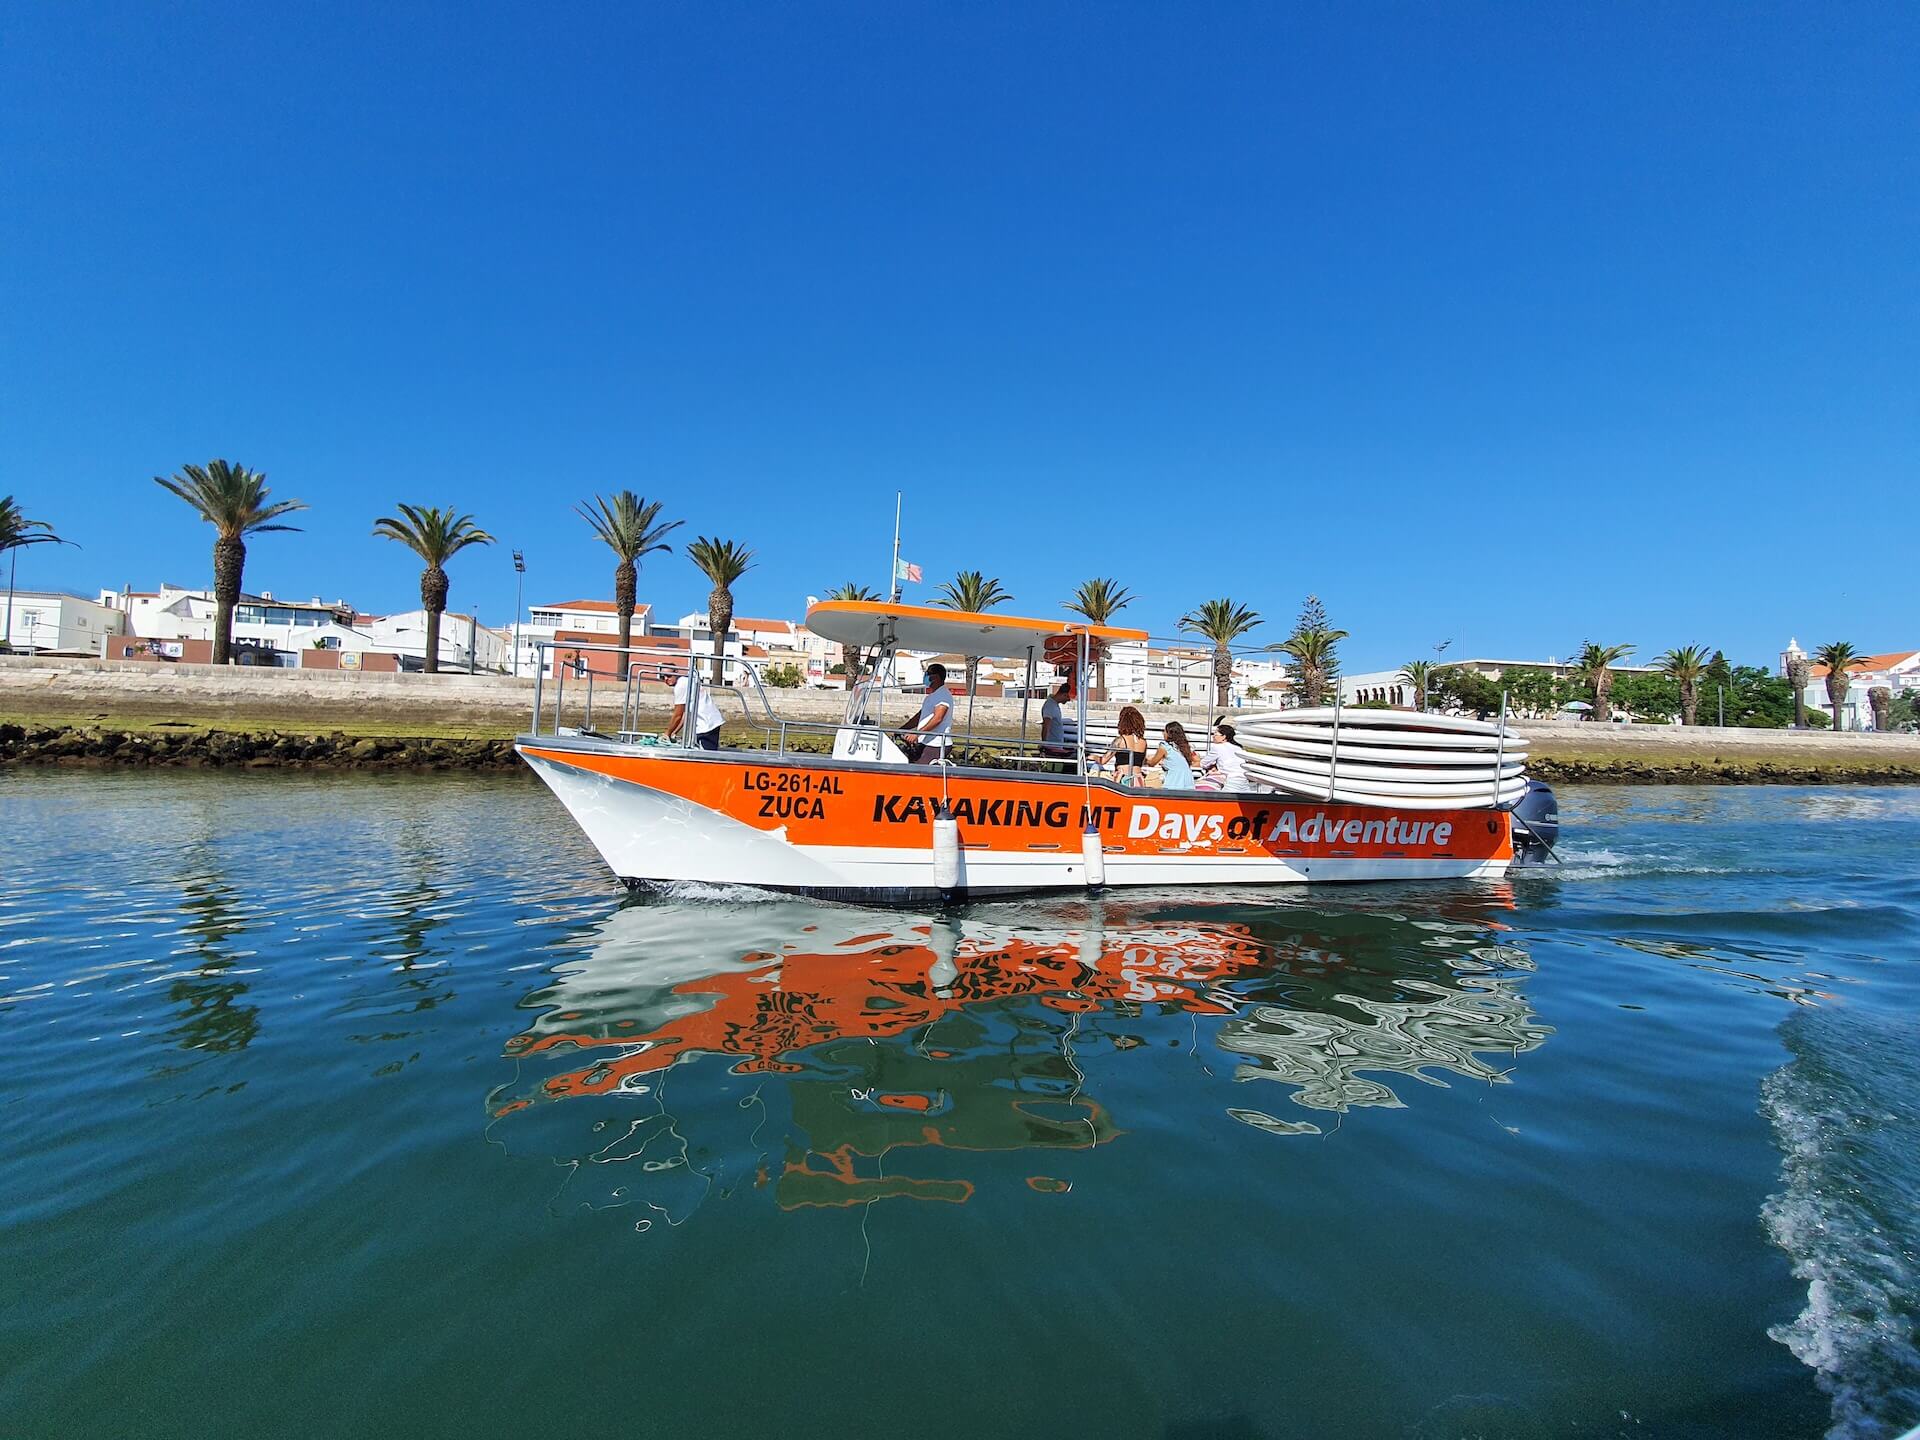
<point x="706" y="715"/>
<point x="1053" y="725"/>
<point x="933" y="726"/>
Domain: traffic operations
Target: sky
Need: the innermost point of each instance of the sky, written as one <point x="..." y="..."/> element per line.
<point x="1512" y="326"/>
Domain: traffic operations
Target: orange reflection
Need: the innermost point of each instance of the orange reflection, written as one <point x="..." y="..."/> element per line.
<point x="878" y="985"/>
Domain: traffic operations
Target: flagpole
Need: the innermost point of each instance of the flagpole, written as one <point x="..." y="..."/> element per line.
<point x="893" y="575"/>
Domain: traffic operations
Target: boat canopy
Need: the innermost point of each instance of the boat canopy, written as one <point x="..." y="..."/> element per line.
<point x="957" y="632"/>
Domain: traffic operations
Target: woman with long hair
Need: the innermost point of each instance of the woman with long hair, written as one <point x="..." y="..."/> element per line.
<point x="1224" y="766"/>
<point x="1175" y="758"/>
<point x="1128" y="754"/>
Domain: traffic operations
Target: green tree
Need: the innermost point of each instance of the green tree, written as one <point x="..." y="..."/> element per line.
<point x="1417" y="675"/>
<point x="436" y="536"/>
<point x="1839" y="658"/>
<point x="232" y="499"/>
<point x="975" y="593"/>
<point x="1100" y="600"/>
<point x="1315" y="648"/>
<point x="1647" y="697"/>
<point x="1533" y="689"/>
<point x="853" y="658"/>
<point x="1316" y="662"/>
<point x="16" y="533"/>
<point x="1593" y="667"/>
<point x="630" y="527"/>
<point x="1469" y="690"/>
<point x="782" y="677"/>
<point x="1222" y="622"/>
<point x="722" y="562"/>
<point x="1687" y="666"/>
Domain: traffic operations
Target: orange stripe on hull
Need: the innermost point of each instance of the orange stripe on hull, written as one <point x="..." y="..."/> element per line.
<point x="850" y="806"/>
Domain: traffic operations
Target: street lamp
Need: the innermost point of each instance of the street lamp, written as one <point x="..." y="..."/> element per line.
<point x="519" y="570"/>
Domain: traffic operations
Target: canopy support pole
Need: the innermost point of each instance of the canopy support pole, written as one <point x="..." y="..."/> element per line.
<point x="1026" y="698"/>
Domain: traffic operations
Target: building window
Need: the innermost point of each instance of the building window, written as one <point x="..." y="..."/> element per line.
<point x="546" y="617"/>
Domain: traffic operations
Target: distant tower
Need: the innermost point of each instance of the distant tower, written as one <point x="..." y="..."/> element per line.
<point x="1791" y="656"/>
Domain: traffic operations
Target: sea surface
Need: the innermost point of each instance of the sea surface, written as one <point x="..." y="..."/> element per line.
<point x="348" y="1106"/>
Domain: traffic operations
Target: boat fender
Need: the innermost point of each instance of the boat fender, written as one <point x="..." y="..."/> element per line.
<point x="1095" y="857"/>
<point x="946" y="848"/>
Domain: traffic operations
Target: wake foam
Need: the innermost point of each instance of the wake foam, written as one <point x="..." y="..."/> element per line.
<point x="1849" y="1215"/>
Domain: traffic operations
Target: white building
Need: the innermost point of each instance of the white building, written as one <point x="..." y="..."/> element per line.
<point x="465" y="644"/>
<point x="55" y="620"/>
<point x="260" y="622"/>
<point x="1896" y="670"/>
<point x="594" y="621"/>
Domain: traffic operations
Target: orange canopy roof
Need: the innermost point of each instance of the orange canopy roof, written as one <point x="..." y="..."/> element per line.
<point x="928" y="627"/>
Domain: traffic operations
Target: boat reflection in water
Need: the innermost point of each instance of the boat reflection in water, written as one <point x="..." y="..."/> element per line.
<point x="840" y="1055"/>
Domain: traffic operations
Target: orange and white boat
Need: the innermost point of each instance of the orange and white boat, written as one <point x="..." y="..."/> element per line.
<point x="862" y="822"/>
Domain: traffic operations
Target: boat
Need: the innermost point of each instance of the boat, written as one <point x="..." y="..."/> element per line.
<point x="854" y="819"/>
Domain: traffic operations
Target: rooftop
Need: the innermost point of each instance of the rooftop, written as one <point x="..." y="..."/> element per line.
<point x="1868" y="664"/>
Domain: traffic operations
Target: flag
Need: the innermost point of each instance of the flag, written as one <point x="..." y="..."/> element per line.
<point x="906" y="570"/>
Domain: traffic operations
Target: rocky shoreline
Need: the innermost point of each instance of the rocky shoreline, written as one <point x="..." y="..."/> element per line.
<point x="338" y="750"/>
<point x="222" y="749"/>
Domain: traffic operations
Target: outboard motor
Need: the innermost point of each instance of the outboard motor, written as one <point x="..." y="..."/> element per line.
<point x="1536" y="824"/>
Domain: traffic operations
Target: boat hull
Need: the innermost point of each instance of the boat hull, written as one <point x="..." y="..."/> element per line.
<point x="847" y="829"/>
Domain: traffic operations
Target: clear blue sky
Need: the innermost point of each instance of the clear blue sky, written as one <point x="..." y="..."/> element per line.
<point x="1518" y="324"/>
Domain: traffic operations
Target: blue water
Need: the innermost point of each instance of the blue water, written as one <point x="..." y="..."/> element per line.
<point x="365" y="1105"/>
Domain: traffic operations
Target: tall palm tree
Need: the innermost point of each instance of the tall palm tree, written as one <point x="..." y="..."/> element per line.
<point x="722" y="562"/>
<point x="1593" y="666"/>
<point x="972" y="591"/>
<point x="1313" y="661"/>
<point x="1222" y="622"/>
<point x="16" y="533"/>
<point x="232" y="499"/>
<point x="1797" y="677"/>
<point x="853" y="658"/>
<point x="436" y="536"/>
<point x="1417" y="675"/>
<point x="1685" y="665"/>
<point x="1839" y="658"/>
<point x="631" y="527"/>
<point x="1100" y="600"/>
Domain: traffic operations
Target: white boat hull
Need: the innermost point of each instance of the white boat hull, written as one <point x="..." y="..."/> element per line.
<point x="854" y="830"/>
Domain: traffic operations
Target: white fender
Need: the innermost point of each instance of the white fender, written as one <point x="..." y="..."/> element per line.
<point x="1095" y="857"/>
<point x="946" y="850"/>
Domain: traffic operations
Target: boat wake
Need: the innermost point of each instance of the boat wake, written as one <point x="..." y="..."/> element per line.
<point x="1848" y="1216"/>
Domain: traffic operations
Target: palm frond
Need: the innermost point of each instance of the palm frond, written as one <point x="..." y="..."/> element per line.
<point x="972" y="591"/>
<point x="721" y="561"/>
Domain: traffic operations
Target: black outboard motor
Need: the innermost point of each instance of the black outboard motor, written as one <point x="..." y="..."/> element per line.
<point x="1536" y="824"/>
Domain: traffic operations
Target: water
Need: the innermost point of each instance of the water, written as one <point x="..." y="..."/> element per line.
<point x="339" y="1106"/>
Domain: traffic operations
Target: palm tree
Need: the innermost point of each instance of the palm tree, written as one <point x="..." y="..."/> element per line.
<point x="1685" y="666"/>
<point x="853" y="658"/>
<point x="1839" y="658"/>
<point x="232" y="499"/>
<point x="1797" y="677"/>
<point x="1100" y="600"/>
<point x="1592" y="666"/>
<point x="630" y="526"/>
<point x="722" y="562"/>
<point x="1222" y="622"/>
<point x="972" y="591"/>
<point x="16" y="533"/>
<point x="1880" y="697"/>
<point x="436" y="536"/>
<point x="1313" y="661"/>
<point x="1417" y="675"/>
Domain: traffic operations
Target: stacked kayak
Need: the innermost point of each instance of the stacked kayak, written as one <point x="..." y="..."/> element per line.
<point x="1385" y="757"/>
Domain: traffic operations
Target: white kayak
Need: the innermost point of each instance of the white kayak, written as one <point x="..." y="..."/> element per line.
<point x="1359" y="747"/>
<point x="1403" y="720"/>
<point x="1475" y="797"/>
